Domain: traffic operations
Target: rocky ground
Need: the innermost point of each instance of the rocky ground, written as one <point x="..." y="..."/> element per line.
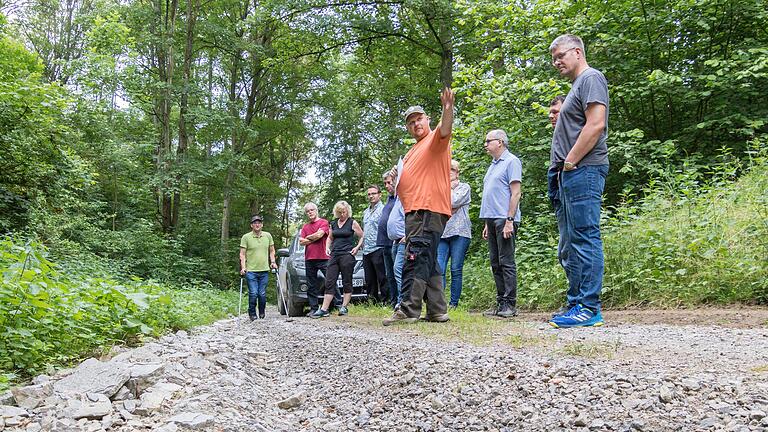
<point x="343" y="374"/>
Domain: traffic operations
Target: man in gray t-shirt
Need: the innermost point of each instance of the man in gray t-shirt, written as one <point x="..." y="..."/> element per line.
<point x="578" y="167"/>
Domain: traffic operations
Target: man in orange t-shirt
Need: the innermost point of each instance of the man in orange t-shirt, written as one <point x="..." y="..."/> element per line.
<point x="424" y="188"/>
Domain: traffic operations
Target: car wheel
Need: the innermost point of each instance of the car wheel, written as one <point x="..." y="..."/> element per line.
<point x="280" y="301"/>
<point x="292" y="307"/>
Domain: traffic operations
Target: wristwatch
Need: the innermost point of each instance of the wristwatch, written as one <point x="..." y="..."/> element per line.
<point x="510" y="218"/>
<point x="569" y="165"/>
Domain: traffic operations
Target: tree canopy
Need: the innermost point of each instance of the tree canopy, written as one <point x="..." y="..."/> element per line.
<point x="149" y="131"/>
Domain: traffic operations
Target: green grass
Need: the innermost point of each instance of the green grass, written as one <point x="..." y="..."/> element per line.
<point x="464" y="326"/>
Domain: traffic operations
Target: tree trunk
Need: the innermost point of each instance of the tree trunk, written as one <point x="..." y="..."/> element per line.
<point x="166" y="63"/>
<point x="184" y="105"/>
<point x="234" y="147"/>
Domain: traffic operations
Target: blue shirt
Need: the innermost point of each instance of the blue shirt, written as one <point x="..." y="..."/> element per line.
<point x="381" y="238"/>
<point x="371" y="218"/>
<point x="502" y="172"/>
<point x="396" y="222"/>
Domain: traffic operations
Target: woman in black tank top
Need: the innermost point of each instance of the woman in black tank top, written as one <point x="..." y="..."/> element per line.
<point x="340" y="247"/>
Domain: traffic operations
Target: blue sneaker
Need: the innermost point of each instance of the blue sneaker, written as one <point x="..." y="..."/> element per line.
<point x="578" y="316"/>
<point x="320" y="314"/>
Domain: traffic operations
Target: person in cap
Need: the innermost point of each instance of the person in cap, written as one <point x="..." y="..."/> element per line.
<point x="424" y="188"/>
<point x="257" y="257"/>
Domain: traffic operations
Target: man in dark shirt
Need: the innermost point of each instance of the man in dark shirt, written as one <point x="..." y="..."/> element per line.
<point x="383" y="240"/>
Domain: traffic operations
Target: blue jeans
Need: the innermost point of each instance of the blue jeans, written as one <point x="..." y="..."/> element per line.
<point x="576" y="196"/>
<point x="455" y="248"/>
<point x="398" y="257"/>
<point x="257" y="290"/>
<point x="389" y="269"/>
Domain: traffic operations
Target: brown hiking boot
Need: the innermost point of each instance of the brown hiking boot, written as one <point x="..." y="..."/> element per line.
<point x="437" y="318"/>
<point x="399" y="317"/>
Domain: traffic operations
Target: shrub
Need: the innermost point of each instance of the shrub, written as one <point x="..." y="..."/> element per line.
<point x="51" y="317"/>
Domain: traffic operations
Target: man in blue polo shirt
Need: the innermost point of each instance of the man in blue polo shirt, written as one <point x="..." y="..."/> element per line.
<point x="500" y="211"/>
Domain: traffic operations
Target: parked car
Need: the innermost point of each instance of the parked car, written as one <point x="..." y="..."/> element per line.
<point x="292" y="280"/>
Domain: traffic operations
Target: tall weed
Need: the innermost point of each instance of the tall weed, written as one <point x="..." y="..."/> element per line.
<point x="695" y="238"/>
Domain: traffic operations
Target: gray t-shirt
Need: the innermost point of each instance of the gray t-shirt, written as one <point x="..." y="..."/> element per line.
<point x="589" y="87"/>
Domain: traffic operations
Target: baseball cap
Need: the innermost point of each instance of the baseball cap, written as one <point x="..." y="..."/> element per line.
<point x="413" y="110"/>
<point x="256" y="218"/>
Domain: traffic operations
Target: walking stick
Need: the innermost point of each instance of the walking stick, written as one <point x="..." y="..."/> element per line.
<point x="240" y="303"/>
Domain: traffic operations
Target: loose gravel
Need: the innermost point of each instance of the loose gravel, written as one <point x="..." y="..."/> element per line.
<point x="339" y="375"/>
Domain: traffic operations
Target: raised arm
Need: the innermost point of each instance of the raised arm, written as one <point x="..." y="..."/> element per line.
<point x="446" y="120"/>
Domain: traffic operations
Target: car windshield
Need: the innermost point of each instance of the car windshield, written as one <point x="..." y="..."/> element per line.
<point x="296" y="246"/>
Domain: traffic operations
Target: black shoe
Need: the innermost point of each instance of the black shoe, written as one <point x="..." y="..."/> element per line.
<point x="507" y="311"/>
<point x="492" y="312"/>
<point x="262" y="315"/>
<point x="251" y="317"/>
<point x="311" y="312"/>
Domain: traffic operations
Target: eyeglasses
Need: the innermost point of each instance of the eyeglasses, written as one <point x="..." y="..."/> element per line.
<point x="560" y="56"/>
<point x="488" y="141"/>
<point x="373" y="193"/>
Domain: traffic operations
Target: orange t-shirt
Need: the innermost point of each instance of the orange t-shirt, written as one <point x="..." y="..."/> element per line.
<point x="425" y="183"/>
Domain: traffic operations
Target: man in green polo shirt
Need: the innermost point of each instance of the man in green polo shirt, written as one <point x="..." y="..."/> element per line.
<point x="257" y="256"/>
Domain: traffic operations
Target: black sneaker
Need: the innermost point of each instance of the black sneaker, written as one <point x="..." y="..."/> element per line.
<point x="251" y="317"/>
<point x="492" y="312"/>
<point x="507" y="311"/>
<point x="320" y="314"/>
<point x="311" y="312"/>
<point x="343" y="310"/>
<point x="262" y="315"/>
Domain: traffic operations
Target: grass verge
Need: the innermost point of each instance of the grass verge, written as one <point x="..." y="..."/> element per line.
<point x="464" y="326"/>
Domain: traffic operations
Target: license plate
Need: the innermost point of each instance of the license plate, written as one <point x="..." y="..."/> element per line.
<point x="355" y="283"/>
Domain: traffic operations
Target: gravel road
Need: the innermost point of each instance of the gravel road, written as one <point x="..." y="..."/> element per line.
<point x="345" y="374"/>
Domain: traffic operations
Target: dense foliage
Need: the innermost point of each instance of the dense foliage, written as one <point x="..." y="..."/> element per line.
<point x="52" y="314"/>
<point x="696" y="238"/>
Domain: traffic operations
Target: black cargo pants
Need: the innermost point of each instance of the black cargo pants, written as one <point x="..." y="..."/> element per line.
<point x="421" y="277"/>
